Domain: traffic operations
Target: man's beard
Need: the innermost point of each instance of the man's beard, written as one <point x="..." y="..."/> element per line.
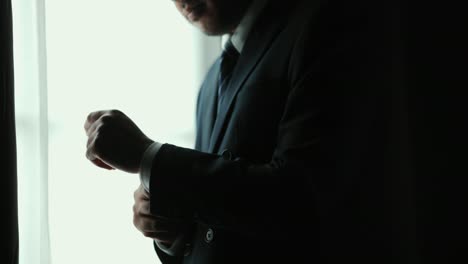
<point x="230" y="14"/>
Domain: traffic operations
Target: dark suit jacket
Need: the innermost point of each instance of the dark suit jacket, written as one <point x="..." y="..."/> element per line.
<point x="248" y="179"/>
<point x="309" y="159"/>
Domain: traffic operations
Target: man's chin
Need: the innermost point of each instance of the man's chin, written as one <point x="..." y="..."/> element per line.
<point x="211" y="33"/>
<point x="212" y="29"/>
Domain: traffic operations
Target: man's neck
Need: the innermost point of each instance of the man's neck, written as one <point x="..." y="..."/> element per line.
<point x="240" y="34"/>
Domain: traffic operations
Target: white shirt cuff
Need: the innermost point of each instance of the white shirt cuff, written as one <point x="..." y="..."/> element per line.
<point x="147" y="164"/>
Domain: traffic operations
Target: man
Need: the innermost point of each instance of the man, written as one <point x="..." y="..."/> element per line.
<point x="243" y="195"/>
<point x="271" y="177"/>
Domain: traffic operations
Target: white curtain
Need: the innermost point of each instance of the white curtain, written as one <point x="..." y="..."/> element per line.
<point x="32" y="130"/>
<point x="138" y="56"/>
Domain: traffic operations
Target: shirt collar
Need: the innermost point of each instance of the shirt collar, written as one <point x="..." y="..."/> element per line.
<point x="242" y="31"/>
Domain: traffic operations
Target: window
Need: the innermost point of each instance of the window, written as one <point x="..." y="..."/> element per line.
<point x="74" y="57"/>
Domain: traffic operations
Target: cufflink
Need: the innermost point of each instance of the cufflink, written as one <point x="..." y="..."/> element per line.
<point x="209" y="235"/>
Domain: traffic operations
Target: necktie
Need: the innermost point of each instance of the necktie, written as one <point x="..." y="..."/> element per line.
<point x="228" y="60"/>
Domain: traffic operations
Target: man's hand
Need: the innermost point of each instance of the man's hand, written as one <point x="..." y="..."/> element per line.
<point x="160" y="229"/>
<point x="114" y="141"/>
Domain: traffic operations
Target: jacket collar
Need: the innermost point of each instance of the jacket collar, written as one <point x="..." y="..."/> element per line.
<point x="245" y="26"/>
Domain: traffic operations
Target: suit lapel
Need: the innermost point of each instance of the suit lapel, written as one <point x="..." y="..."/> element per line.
<point x="208" y="102"/>
<point x="262" y="35"/>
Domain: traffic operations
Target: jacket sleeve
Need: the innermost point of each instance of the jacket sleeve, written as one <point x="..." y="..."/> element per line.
<point x="239" y="194"/>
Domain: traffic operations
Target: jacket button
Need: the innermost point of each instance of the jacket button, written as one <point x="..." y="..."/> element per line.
<point x="209" y="235"/>
<point x="227" y="155"/>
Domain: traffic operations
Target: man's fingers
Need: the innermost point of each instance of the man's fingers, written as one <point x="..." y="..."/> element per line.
<point x="92" y="117"/>
<point x="142" y="208"/>
<point x="141" y="194"/>
<point x="90" y="141"/>
<point x="93" y="127"/>
<point x="97" y="124"/>
<point x="91" y="156"/>
<point x="91" y="152"/>
<point x="101" y="164"/>
<point x="160" y="229"/>
<point x="146" y="223"/>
